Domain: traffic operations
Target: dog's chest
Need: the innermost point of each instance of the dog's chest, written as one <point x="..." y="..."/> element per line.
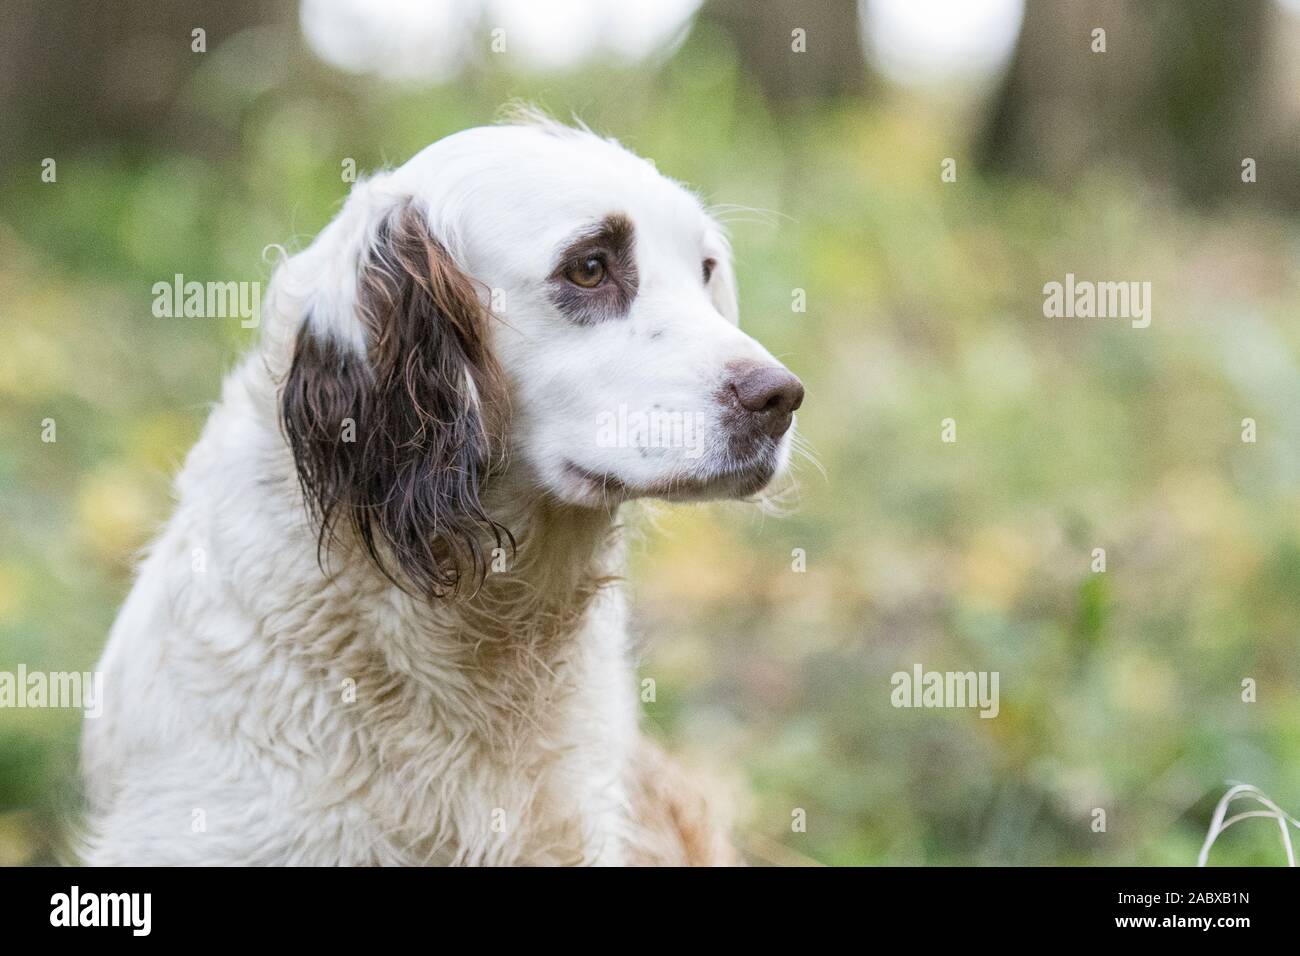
<point x="497" y="757"/>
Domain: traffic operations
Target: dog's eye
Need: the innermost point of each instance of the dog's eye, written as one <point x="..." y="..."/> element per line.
<point x="589" y="273"/>
<point x="708" y="266"/>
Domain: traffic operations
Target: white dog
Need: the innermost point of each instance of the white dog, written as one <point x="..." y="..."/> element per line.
<point x="383" y="625"/>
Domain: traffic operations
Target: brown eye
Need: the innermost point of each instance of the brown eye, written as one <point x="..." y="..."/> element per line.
<point x="708" y="266"/>
<point x="589" y="273"/>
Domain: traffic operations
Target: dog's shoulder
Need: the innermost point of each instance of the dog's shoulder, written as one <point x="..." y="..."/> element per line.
<point x="679" y="821"/>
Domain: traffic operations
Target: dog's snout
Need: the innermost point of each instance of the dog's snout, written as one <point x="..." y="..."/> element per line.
<point x="770" y="393"/>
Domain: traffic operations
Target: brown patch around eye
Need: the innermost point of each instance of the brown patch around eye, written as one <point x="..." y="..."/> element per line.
<point x="595" y="276"/>
<point x="707" y="267"/>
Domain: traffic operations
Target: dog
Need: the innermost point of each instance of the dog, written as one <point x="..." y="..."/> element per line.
<point x="384" y="624"/>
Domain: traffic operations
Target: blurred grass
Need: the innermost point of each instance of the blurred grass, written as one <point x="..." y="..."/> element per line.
<point x="1119" y="691"/>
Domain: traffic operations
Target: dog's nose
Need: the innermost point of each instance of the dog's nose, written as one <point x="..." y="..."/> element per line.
<point x="770" y="393"/>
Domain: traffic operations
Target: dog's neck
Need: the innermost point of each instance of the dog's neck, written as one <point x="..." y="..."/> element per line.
<point x="536" y="592"/>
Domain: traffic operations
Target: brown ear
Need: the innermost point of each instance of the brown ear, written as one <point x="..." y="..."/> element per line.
<point x="395" y="444"/>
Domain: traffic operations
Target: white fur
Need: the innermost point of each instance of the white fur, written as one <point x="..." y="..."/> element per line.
<point x="497" y="729"/>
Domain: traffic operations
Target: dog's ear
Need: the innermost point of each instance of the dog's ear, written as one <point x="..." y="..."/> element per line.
<point x="393" y="440"/>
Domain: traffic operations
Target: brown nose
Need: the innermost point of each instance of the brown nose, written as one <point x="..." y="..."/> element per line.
<point x="770" y="393"/>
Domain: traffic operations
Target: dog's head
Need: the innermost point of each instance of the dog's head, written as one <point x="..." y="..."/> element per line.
<point x="529" y="297"/>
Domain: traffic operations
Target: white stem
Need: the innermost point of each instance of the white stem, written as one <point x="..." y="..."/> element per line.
<point x="1218" y="824"/>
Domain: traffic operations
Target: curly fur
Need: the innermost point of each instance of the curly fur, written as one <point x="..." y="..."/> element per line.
<point x="411" y="647"/>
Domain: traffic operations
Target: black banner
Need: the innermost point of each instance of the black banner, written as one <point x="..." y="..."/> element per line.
<point x="332" y="906"/>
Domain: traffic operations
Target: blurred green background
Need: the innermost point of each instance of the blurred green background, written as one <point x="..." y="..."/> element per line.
<point x="1119" y="690"/>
